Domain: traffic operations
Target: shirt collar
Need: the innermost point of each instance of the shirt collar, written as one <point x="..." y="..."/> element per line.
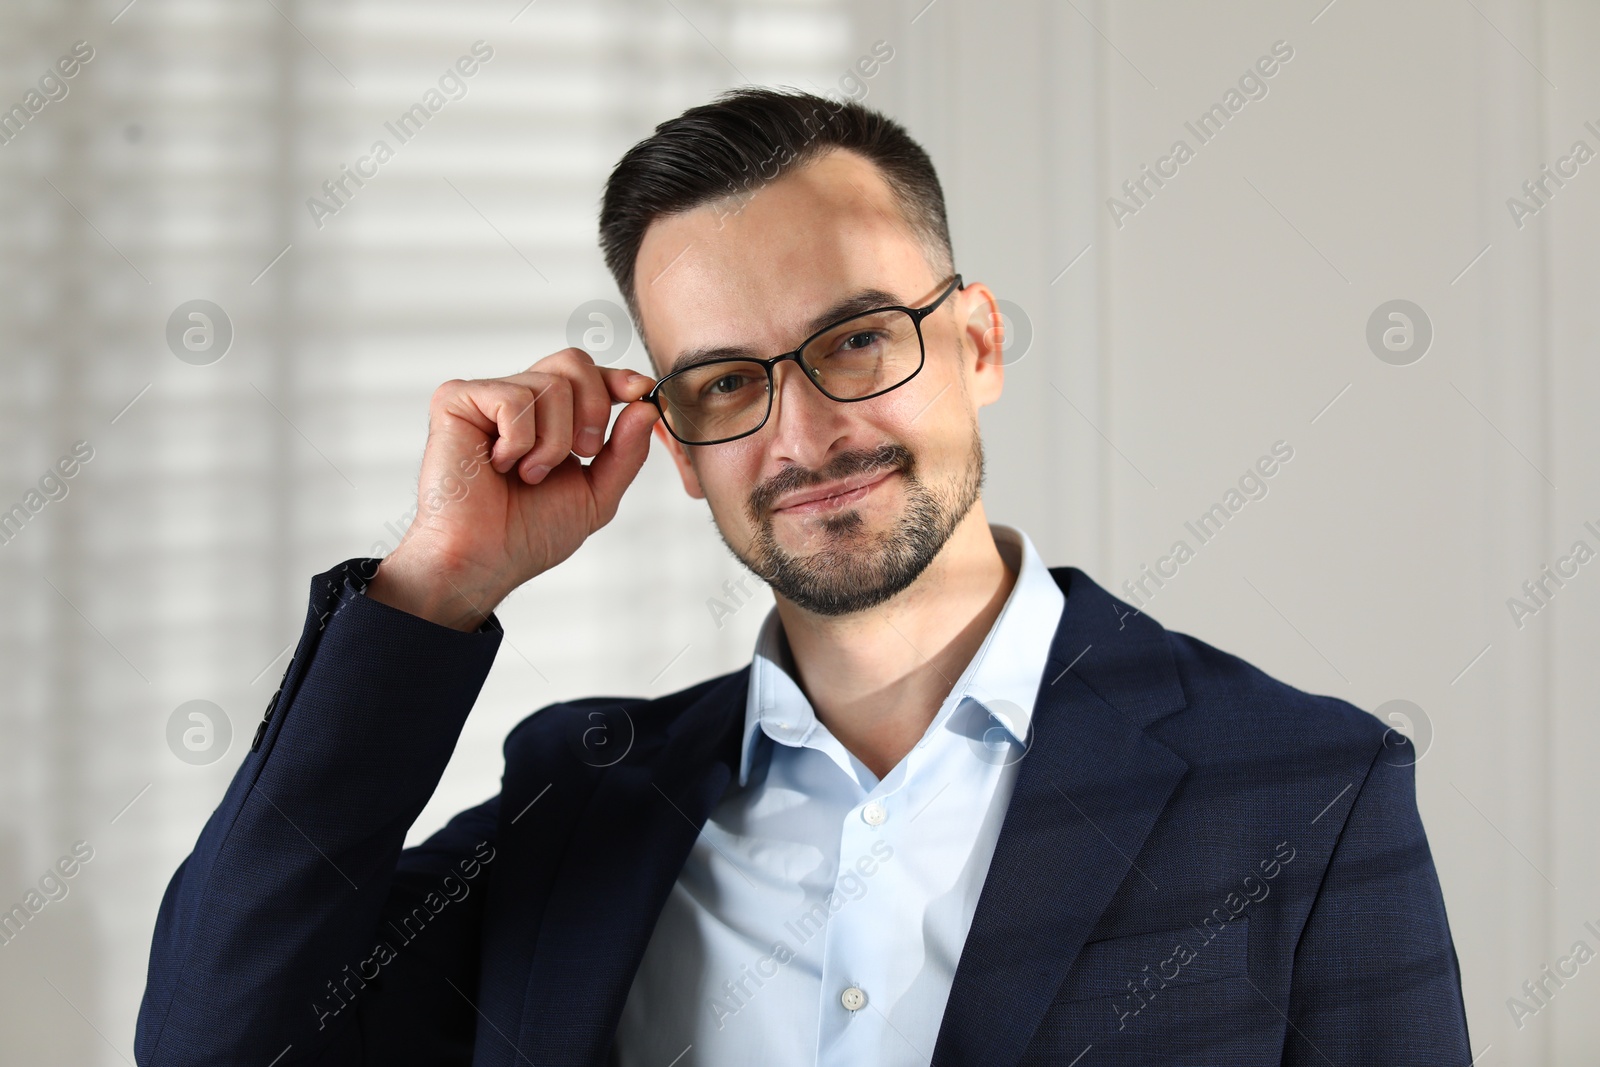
<point x="1003" y="676"/>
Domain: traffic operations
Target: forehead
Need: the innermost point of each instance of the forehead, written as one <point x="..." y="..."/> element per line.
<point x="754" y="270"/>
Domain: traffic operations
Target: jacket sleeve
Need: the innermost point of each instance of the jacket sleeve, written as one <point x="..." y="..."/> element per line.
<point x="298" y="928"/>
<point x="1376" y="978"/>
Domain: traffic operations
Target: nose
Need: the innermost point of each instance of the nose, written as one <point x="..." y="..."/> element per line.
<point x="804" y="422"/>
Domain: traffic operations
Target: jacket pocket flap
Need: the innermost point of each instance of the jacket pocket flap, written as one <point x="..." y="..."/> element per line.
<point x="1157" y="960"/>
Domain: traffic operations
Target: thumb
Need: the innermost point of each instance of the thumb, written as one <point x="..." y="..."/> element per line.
<point x="613" y="470"/>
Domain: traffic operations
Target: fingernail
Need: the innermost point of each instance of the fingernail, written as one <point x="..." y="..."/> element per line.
<point x="590" y="437"/>
<point x="537" y="471"/>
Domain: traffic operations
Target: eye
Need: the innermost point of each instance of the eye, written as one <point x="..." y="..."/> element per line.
<point x="725" y="384"/>
<point x="859" y="340"/>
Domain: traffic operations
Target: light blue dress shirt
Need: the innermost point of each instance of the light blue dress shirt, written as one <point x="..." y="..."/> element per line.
<point x="821" y="913"/>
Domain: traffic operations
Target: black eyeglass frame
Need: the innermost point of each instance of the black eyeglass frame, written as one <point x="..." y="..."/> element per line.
<point x="769" y="365"/>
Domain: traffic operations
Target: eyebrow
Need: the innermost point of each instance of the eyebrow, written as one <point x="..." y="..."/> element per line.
<point x="860" y="301"/>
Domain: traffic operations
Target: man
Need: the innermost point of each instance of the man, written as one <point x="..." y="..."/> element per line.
<point x="961" y="808"/>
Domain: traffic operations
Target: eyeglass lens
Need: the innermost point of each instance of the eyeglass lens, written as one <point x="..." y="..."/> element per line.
<point x="850" y="360"/>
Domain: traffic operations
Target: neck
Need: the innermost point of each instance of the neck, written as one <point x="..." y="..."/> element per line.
<point x="877" y="678"/>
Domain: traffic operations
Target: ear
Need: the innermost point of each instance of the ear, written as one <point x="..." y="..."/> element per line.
<point x="983" y="337"/>
<point x="680" y="456"/>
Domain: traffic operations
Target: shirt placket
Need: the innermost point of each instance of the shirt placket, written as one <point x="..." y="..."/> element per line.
<point x="867" y="930"/>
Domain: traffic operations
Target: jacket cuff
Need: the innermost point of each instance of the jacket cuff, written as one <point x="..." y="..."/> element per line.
<point x="396" y="651"/>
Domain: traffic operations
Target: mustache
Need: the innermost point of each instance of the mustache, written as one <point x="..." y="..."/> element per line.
<point x="844" y="465"/>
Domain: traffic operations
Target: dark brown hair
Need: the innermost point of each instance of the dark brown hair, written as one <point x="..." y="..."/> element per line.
<point x="745" y="139"/>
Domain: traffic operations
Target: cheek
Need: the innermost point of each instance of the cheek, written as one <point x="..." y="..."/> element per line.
<point x="923" y="415"/>
<point x="727" y="475"/>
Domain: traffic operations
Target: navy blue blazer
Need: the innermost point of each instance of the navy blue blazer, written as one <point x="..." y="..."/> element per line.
<point x="1199" y="865"/>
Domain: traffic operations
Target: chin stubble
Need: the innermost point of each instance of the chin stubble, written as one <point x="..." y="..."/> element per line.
<point x="841" y="579"/>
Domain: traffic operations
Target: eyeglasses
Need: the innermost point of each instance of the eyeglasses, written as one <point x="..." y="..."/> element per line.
<point x="857" y="358"/>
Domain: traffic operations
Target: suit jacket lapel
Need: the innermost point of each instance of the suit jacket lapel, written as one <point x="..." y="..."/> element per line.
<point x="1087" y="793"/>
<point x="626" y="851"/>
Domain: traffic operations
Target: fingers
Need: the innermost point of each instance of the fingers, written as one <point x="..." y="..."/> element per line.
<point x="614" y="469"/>
<point x="625" y="385"/>
<point x="537" y="418"/>
<point x="461" y="419"/>
<point x="591" y="400"/>
<point x="506" y="414"/>
<point x="594" y="389"/>
<point x="575" y="406"/>
<point x="553" y="424"/>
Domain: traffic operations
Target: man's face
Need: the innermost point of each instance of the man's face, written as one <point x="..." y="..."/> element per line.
<point x="902" y="470"/>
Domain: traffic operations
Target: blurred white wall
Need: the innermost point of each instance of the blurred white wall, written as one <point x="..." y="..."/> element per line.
<point x="1171" y="346"/>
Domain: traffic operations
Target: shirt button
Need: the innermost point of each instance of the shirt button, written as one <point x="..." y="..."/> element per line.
<point x="853" y="999"/>
<point x="874" y="814"/>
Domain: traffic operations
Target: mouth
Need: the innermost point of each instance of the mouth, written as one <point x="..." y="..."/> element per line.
<point x="833" y="495"/>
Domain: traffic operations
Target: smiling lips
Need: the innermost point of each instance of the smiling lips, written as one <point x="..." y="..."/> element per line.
<point x="832" y="495"/>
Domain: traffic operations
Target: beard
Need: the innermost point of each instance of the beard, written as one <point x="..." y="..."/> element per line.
<point x="852" y="572"/>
